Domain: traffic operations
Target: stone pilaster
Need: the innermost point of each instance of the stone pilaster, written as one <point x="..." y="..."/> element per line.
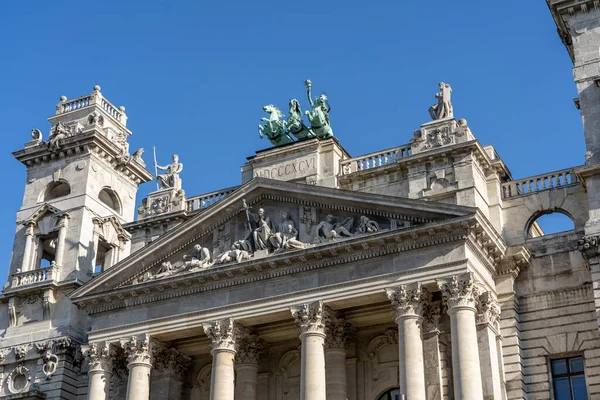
<point x="168" y="372"/>
<point x="339" y="334"/>
<point x="224" y="335"/>
<point x="138" y="350"/>
<point x="407" y="307"/>
<point x="28" y="251"/>
<point x="431" y="346"/>
<point x="460" y="295"/>
<point x="490" y="343"/>
<point x="251" y="349"/>
<point x="62" y="236"/>
<point x="310" y="319"/>
<point x="100" y="360"/>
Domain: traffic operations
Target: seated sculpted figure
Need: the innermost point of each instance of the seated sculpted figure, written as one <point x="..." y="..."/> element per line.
<point x="243" y="243"/>
<point x="367" y="226"/>
<point x="167" y="269"/>
<point x="198" y="258"/>
<point x="330" y="229"/>
<point x="264" y="231"/>
<point x="171" y="178"/>
<point x="233" y="255"/>
<point x="287" y="240"/>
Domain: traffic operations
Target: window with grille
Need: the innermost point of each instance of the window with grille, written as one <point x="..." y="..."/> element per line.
<point x="568" y="379"/>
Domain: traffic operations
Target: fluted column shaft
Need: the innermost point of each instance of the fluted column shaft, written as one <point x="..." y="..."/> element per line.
<point x="406" y="301"/>
<point x="310" y="321"/>
<point x="460" y="295"/>
<point x="138" y="352"/>
<point x="223" y="335"/>
<point x="100" y="370"/>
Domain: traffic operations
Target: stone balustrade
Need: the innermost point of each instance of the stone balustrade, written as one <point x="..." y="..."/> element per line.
<point x="374" y="160"/>
<point x="35" y="276"/>
<point x="111" y="110"/>
<point x="538" y="183"/>
<point x="206" y="200"/>
<point x="72" y="105"/>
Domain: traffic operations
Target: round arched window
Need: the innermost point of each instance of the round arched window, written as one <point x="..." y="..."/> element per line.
<point x="392" y="394"/>
<point x="55" y="190"/>
<point x="110" y="198"/>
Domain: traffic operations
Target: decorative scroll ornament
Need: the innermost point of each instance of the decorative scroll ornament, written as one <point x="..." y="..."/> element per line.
<point x="309" y="317"/>
<point x="251" y="349"/>
<point x="339" y="333"/>
<point x="460" y="291"/>
<point x="223" y="334"/>
<point x="137" y="349"/>
<point x="488" y="310"/>
<point x="100" y="356"/>
<point x="406" y="299"/>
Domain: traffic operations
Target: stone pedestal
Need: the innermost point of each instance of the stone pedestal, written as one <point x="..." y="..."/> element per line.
<point x="460" y="296"/>
<point x="138" y="353"/>
<point x="311" y="161"/>
<point x="310" y="321"/>
<point x="406" y="302"/>
<point x="162" y="202"/>
<point x="223" y="335"/>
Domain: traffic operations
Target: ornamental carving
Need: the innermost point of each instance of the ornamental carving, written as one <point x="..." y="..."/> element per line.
<point x="100" y="356"/>
<point x="224" y="334"/>
<point x="19" y="379"/>
<point x="159" y="205"/>
<point x="406" y="300"/>
<point x="460" y="291"/>
<point x="4" y="353"/>
<point x="431" y="312"/>
<point x="170" y="363"/>
<point x="137" y="349"/>
<point x="438" y="137"/>
<point x="488" y="310"/>
<point x="339" y="333"/>
<point x="310" y="318"/>
<point x="251" y="349"/>
<point x="21" y="351"/>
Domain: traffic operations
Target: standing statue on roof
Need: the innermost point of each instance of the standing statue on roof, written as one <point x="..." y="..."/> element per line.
<point x="295" y="124"/>
<point x="443" y="107"/>
<point x="319" y="116"/>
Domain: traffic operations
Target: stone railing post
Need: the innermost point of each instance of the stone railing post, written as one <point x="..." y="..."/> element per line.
<point x="250" y="350"/>
<point x="224" y="335"/>
<point x="138" y="351"/>
<point x="100" y="357"/>
<point x="489" y="340"/>
<point x="310" y="321"/>
<point x="406" y="303"/>
<point x="338" y="334"/>
<point x="460" y="295"/>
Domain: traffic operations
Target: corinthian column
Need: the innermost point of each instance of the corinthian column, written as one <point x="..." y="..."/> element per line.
<point x="338" y="334"/>
<point x="310" y="321"/>
<point x="250" y="350"/>
<point x="224" y="335"/>
<point x="460" y="296"/>
<point x="168" y="372"/>
<point x="406" y="302"/>
<point x="101" y="356"/>
<point x="138" y="351"/>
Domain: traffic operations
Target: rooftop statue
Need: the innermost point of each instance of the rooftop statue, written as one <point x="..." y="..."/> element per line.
<point x="443" y="107"/>
<point x="295" y="124"/>
<point x="171" y="178"/>
<point x="274" y="128"/>
<point x="58" y="133"/>
<point x="319" y="116"/>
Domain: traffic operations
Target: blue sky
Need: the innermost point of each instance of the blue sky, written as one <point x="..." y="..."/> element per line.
<point x="194" y="76"/>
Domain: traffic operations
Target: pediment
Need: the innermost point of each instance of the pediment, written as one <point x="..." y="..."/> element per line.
<point x="355" y="215"/>
<point x="41" y="212"/>
<point x="110" y="229"/>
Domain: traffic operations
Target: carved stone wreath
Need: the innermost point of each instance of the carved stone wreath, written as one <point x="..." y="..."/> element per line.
<point x="19" y="379"/>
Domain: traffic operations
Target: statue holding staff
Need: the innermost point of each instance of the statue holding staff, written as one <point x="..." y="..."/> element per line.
<point x="171" y="178"/>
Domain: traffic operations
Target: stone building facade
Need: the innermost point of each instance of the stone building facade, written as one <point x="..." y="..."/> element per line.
<point x="416" y="272"/>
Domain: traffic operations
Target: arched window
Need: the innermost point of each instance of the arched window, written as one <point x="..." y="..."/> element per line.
<point x="110" y="198"/>
<point x="55" y="190"/>
<point x="549" y="222"/>
<point x="392" y="394"/>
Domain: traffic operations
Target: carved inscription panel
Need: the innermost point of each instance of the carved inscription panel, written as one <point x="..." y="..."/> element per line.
<point x="290" y="169"/>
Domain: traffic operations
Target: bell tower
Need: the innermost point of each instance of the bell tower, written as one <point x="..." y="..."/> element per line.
<point x="578" y="23"/>
<point x="80" y="189"/>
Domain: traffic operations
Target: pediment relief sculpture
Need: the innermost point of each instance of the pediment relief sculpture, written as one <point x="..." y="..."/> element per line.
<point x="270" y="230"/>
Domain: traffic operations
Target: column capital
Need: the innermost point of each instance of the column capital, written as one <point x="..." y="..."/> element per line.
<point x="100" y="356"/>
<point x="138" y="349"/>
<point x="251" y="349"/>
<point x="488" y="310"/>
<point x="459" y="291"/>
<point x="406" y="300"/>
<point x="310" y="318"/>
<point x="339" y="333"/>
<point x="432" y="311"/>
<point x="170" y="363"/>
<point x="224" y="334"/>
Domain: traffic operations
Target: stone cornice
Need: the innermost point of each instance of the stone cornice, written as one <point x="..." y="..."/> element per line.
<point x="259" y="189"/>
<point x="322" y="256"/>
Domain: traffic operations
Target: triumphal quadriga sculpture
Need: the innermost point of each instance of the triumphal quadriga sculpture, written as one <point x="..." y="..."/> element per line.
<point x="416" y="272"/>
